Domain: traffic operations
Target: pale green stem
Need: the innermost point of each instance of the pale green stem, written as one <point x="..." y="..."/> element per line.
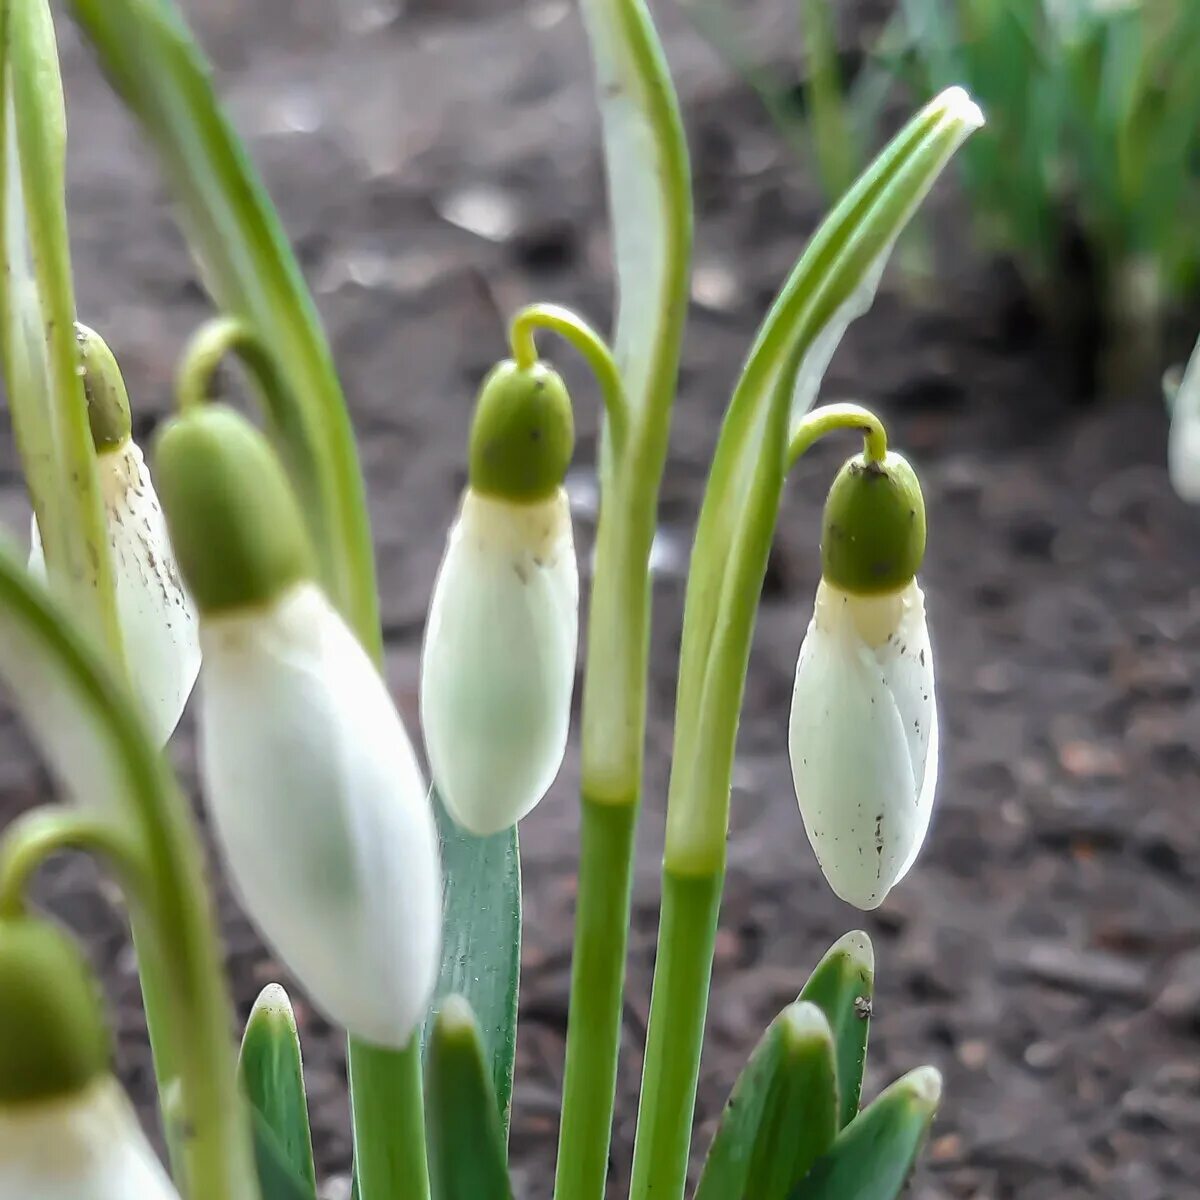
<point x="390" y="1161"/>
<point x="590" y="345"/>
<point x="43" y="832"/>
<point x="697" y="823"/>
<point x="831" y="417"/>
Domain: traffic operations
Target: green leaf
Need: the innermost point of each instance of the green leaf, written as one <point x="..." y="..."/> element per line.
<point x="481" y="940"/>
<point x="37" y="322"/>
<point x="842" y="987"/>
<point x="467" y="1157"/>
<point x="272" y="1076"/>
<point x="649" y="197"/>
<point x="782" y="1114"/>
<point x="874" y="1155"/>
<point x="248" y="265"/>
<point x="278" y="1178"/>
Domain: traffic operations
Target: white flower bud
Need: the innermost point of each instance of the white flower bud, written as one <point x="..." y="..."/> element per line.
<point x="499" y="659"/>
<point x="321" y="810"/>
<point x="83" y="1146"/>
<point x="863" y="738"/>
<point x="156" y="616"/>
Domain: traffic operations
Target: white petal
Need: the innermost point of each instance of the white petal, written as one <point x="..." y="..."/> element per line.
<point x="499" y="659"/>
<point x="157" y="618"/>
<point x="85" y="1147"/>
<point x="863" y="739"/>
<point x="321" y="811"/>
<point x="1183" y="446"/>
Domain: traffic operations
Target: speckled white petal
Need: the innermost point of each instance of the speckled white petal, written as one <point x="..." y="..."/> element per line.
<point x="863" y="739"/>
<point x="84" y="1147"/>
<point x="499" y="659"/>
<point x="157" y="618"/>
<point x="321" y="811"/>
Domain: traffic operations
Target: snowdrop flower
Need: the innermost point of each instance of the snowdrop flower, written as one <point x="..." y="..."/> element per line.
<point x="156" y="615"/>
<point x="863" y="735"/>
<point x="316" y="797"/>
<point x="498" y="663"/>
<point x="67" y="1131"/>
<point x="1183" y="446"/>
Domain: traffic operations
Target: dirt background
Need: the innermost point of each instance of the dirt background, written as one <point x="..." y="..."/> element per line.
<point x="438" y="167"/>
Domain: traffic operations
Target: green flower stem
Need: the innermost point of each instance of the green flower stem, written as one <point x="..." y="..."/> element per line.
<point x="590" y="345"/>
<point x="650" y="202"/>
<point x="831" y="417"/>
<point x="178" y="952"/>
<point x="37" y="325"/>
<point x="678" y="1007"/>
<point x="597" y="983"/>
<point x="694" y="863"/>
<point x="42" y="832"/>
<point x="389" y="1121"/>
<point x="207" y="349"/>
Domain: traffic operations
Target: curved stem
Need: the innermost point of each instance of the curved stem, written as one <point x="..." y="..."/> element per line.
<point x="37" y="835"/>
<point x="590" y="345"/>
<point x="207" y="349"/>
<point x="832" y="417"/>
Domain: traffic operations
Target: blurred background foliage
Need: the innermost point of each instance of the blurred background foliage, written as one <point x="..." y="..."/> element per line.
<point x="1087" y="176"/>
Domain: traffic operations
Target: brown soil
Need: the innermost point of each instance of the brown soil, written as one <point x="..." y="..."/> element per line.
<point x="1046" y="953"/>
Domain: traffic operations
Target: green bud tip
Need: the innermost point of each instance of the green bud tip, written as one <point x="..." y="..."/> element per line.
<point x="234" y="521"/>
<point x="873" y="533"/>
<point x="53" y="1041"/>
<point x="523" y="434"/>
<point x="107" y="399"/>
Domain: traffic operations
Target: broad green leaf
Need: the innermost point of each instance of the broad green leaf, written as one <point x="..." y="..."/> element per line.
<point x="86" y="724"/>
<point x="833" y="282"/>
<point x="467" y="1157"/>
<point x="874" y="1155"/>
<point x="272" y="1077"/>
<point x="842" y="987"/>
<point x="37" y="321"/>
<point x="481" y="940"/>
<point x="278" y="1178"/>
<point x="248" y="265"/>
<point x="782" y="1114"/>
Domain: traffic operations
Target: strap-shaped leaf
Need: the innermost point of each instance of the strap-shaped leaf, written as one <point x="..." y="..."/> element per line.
<point x="874" y="1155"/>
<point x="782" y="1114"/>
<point x="467" y="1157"/>
<point x="272" y="1076"/>
<point x="649" y="197"/>
<point x="247" y="263"/>
<point x="278" y="1178"/>
<point x="37" y="320"/>
<point x="481" y="940"/>
<point x="842" y="987"/>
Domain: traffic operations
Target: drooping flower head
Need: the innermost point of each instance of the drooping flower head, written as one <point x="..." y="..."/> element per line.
<point x="156" y="616"/>
<point x="315" y="793"/>
<point x="863" y="734"/>
<point x="67" y="1131"/>
<point x="498" y="663"/>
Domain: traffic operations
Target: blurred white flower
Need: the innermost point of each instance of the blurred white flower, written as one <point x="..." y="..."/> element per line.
<point x="1183" y="445"/>
<point x="499" y="659"/>
<point x="321" y="810"/>
<point x="863" y="738"/>
<point x="83" y="1146"/>
<point x="156" y="615"/>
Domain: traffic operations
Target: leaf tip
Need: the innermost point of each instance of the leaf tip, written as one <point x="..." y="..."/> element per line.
<point x="924" y="1085"/>
<point x="804" y="1024"/>
<point x="857" y="948"/>
<point x="956" y="103"/>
